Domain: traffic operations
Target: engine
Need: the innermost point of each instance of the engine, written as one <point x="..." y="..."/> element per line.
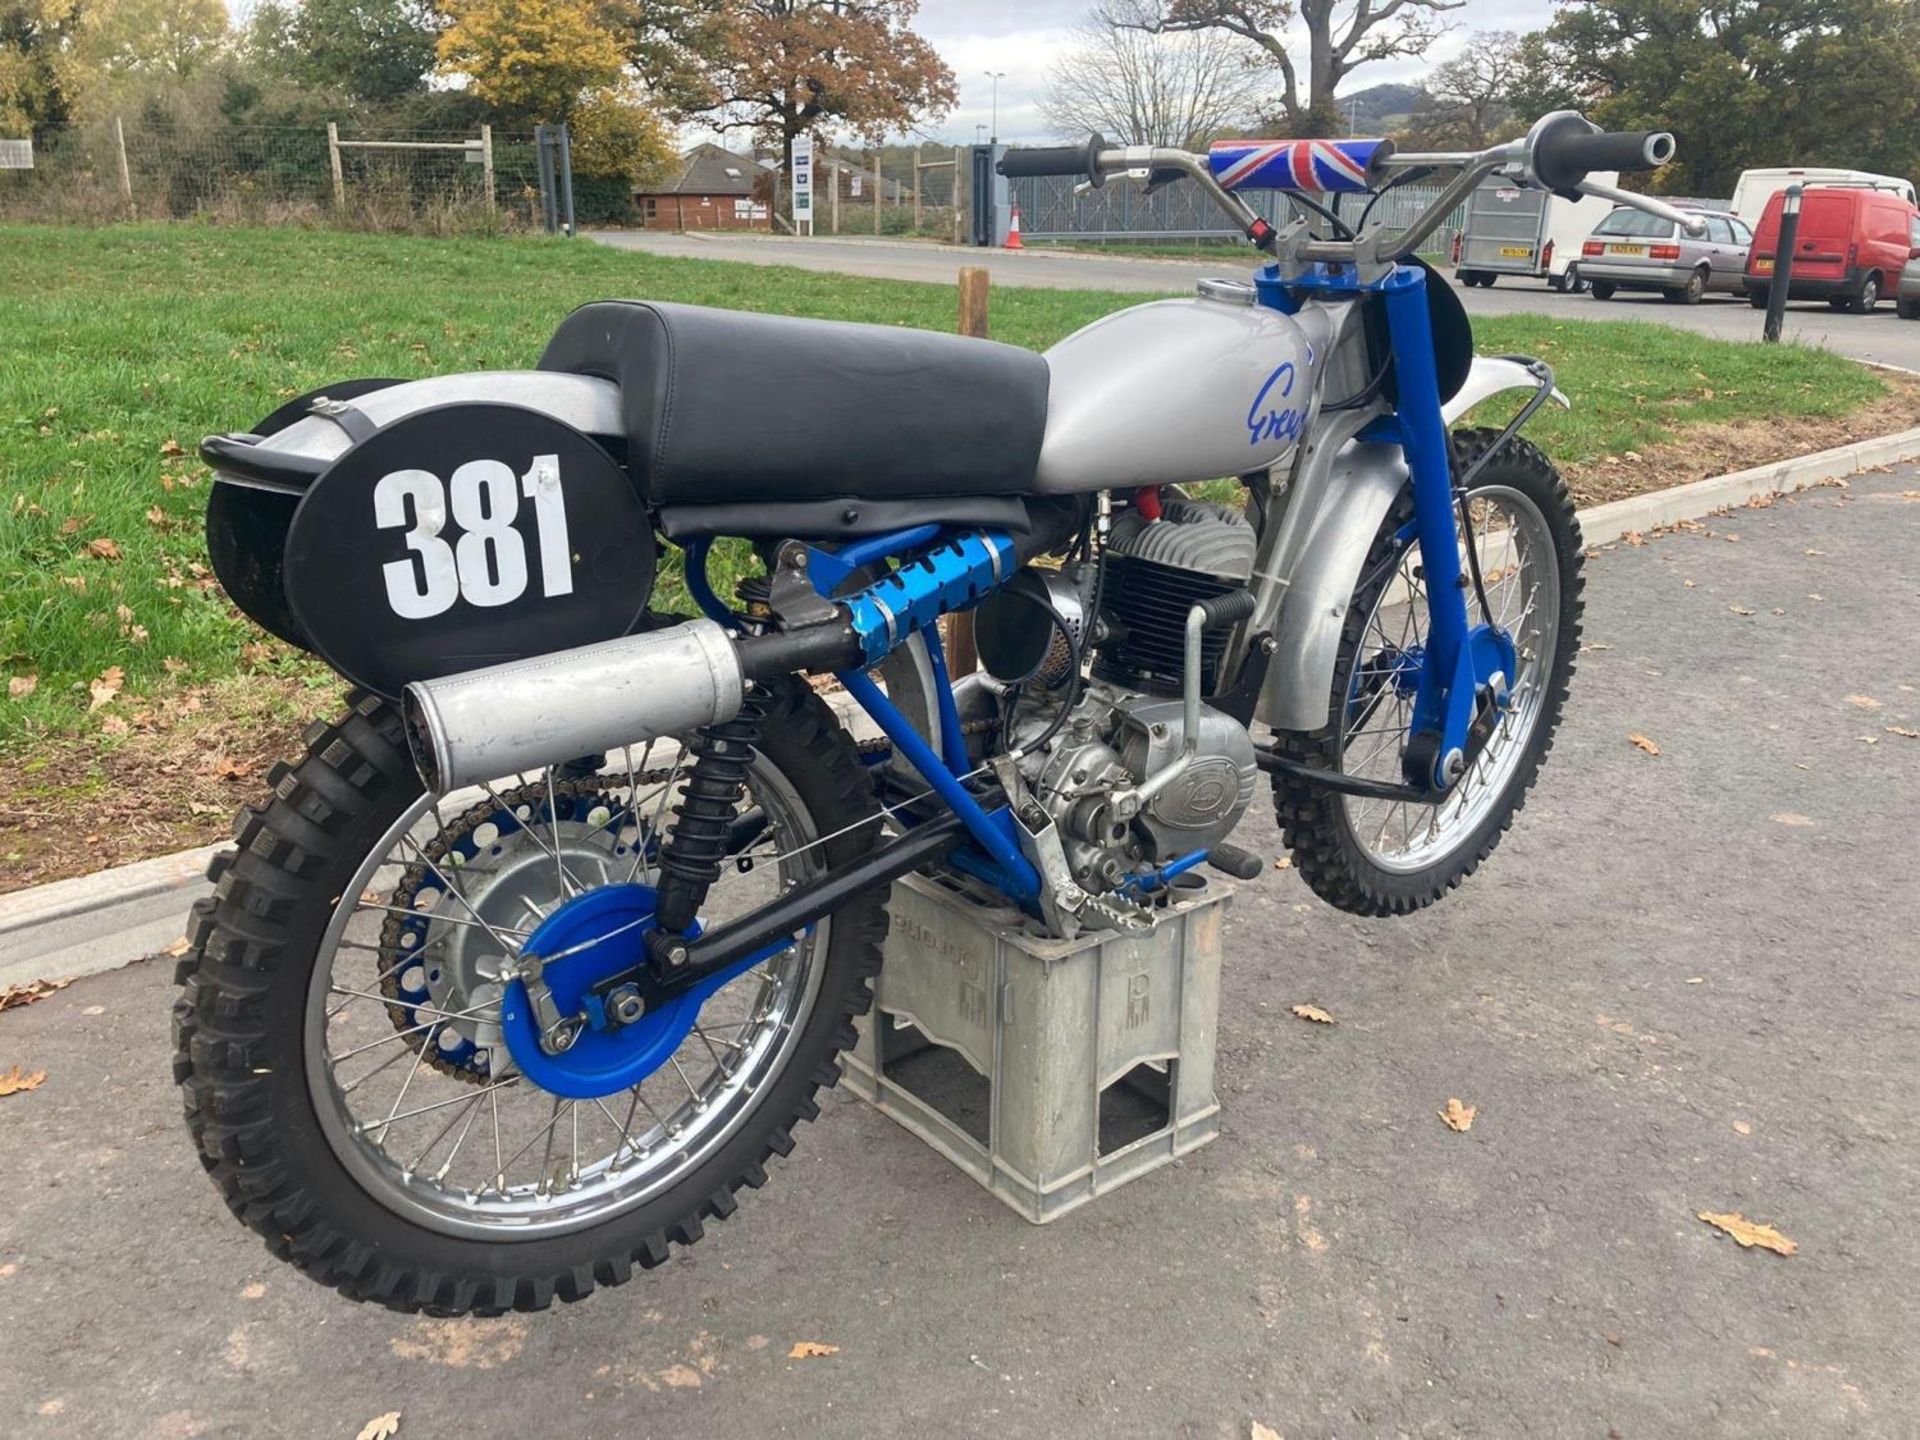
<point x="1117" y="777"/>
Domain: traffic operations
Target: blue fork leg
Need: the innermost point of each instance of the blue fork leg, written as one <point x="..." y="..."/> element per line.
<point x="1450" y="677"/>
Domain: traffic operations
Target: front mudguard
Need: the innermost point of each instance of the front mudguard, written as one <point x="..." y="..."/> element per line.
<point x="1365" y="480"/>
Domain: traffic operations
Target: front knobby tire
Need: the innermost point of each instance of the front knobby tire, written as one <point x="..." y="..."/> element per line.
<point x="241" y="1024"/>
<point x="1337" y="841"/>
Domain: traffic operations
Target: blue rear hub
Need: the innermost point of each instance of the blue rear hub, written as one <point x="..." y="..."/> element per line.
<point x="606" y="931"/>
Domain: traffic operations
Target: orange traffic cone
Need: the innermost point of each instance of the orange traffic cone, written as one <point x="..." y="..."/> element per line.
<point x="1013" y="232"/>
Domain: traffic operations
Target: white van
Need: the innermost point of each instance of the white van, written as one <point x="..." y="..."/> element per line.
<point x="1755" y="187"/>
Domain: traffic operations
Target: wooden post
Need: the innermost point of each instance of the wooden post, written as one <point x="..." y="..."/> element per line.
<point x="126" y="175"/>
<point x="916" y="189"/>
<point x="486" y="162"/>
<point x="963" y="656"/>
<point x="833" y="184"/>
<point x="333" y="164"/>
<point x="876" y="192"/>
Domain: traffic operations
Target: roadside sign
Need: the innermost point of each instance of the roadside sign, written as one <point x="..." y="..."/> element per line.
<point x="854" y="187"/>
<point x="16" y="154"/>
<point x="803" y="181"/>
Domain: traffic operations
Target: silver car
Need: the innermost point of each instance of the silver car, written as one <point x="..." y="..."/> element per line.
<point x="1632" y="250"/>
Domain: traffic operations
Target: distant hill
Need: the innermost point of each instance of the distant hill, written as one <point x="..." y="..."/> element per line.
<point x="1380" y="108"/>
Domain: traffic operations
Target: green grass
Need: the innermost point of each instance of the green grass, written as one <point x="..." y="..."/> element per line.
<point x="121" y="347"/>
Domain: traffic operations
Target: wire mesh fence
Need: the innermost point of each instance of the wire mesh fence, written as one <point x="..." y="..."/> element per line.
<point x="378" y="178"/>
<point x="1057" y="208"/>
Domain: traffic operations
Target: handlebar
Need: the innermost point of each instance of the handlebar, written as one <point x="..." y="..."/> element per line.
<point x="1081" y="160"/>
<point x="1565" y="148"/>
<point x="1557" y="155"/>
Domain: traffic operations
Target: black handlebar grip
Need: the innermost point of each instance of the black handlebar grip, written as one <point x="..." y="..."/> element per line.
<point x="1029" y="161"/>
<point x="1568" y="151"/>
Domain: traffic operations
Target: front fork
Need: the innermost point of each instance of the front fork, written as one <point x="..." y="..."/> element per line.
<point x="1461" y="661"/>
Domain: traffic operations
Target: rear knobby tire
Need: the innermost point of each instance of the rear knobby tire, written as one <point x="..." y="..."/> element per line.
<point x="239" y="1033"/>
<point x="1316" y="822"/>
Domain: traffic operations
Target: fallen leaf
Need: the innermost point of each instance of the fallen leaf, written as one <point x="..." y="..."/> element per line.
<point x="1751" y="1234"/>
<point x="1817" y="599"/>
<point x="1285" y="862"/>
<point x="1903" y="732"/>
<point x="1868" y="739"/>
<point x="1787" y="817"/>
<point x="156" y="516"/>
<point x="1741" y="1127"/>
<point x="1863" y="702"/>
<point x="21" y="686"/>
<point x="16" y="1080"/>
<point x="1733" y="539"/>
<point x="170" y="450"/>
<point x="1816" y="552"/>
<point x="15" y="996"/>
<point x="1696" y="980"/>
<point x="103" y="549"/>
<point x="115" y="725"/>
<point x="177" y="948"/>
<point x="105" y="687"/>
<point x="1458" y="1117"/>
<point x="1740" y="609"/>
<point x="1262" y="1432"/>
<point x="1313" y="1013"/>
<point x="811" y="1350"/>
<point x="1634" y="538"/>
<point x="1643" y="743"/>
<point x="381" y="1427"/>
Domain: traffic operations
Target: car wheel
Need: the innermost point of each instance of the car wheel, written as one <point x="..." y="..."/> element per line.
<point x="1867" y="297"/>
<point x="1757" y="299"/>
<point x="1690" y="293"/>
<point x="1602" y="289"/>
<point x="1907" y="309"/>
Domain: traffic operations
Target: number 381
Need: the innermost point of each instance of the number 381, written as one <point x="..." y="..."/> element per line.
<point x="487" y="564"/>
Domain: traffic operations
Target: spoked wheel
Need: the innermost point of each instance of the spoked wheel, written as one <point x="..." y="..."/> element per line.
<point x="347" y="1045"/>
<point x="1388" y="857"/>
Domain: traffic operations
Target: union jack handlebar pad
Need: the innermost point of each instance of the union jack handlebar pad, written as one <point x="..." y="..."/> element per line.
<point x="1342" y="166"/>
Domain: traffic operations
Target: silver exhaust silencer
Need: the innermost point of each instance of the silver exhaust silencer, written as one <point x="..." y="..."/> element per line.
<point x="485" y="725"/>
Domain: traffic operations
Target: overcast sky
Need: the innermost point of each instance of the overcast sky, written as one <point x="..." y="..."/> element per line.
<point x="1021" y="38"/>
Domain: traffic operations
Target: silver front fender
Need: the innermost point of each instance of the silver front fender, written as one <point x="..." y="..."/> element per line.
<point x="1319" y="566"/>
<point x="1363" y="483"/>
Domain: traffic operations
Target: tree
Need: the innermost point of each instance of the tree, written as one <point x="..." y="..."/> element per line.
<point x="371" y="50"/>
<point x="1341" y="36"/>
<point x="1469" y="94"/>
<point x="785" y="68"/>
<point x="532" y="60"/>
<point x="613" y="133"/>
<point x="39" y="77"/>
<point x="1140" y="89"/>
<point x="170" y="39"/>
<point x="1750" y="82"/>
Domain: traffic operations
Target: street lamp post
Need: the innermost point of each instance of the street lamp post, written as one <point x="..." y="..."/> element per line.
<point x="993" y="134"/>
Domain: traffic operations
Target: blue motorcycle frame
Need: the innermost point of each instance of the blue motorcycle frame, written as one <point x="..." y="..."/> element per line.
<point x="943" y="572"/>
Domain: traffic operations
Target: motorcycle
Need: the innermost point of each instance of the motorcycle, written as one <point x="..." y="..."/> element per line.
<point x="547" y="944"/>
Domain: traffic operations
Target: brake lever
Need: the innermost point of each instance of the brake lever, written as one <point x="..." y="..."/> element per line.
<point x="1692" y="224"/>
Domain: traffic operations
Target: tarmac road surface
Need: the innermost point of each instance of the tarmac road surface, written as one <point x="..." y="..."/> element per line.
<point x="1686" y="982"/>
<point x="1881" y="337"/>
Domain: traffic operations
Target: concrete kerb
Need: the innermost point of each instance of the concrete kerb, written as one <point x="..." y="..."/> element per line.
<point x="99" y="922"/>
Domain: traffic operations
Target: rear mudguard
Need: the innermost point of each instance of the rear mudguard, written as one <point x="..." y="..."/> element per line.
<point x="1363" y="482"/>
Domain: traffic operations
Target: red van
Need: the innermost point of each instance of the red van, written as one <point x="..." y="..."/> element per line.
<point x="1852" y="246"/>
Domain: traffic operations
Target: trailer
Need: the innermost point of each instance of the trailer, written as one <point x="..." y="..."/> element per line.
<point x="1512" y="230"/>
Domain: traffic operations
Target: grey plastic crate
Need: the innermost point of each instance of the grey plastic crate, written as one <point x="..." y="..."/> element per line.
<point x="1049" y="1070"/>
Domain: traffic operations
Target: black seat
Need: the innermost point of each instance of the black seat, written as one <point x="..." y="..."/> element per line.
<point x="722" y="406"/>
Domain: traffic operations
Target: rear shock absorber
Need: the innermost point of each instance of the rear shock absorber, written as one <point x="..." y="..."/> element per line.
<point x="693" y="853"/>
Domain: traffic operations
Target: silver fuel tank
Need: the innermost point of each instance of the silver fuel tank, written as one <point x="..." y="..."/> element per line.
<point x="1179" y="391"/>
